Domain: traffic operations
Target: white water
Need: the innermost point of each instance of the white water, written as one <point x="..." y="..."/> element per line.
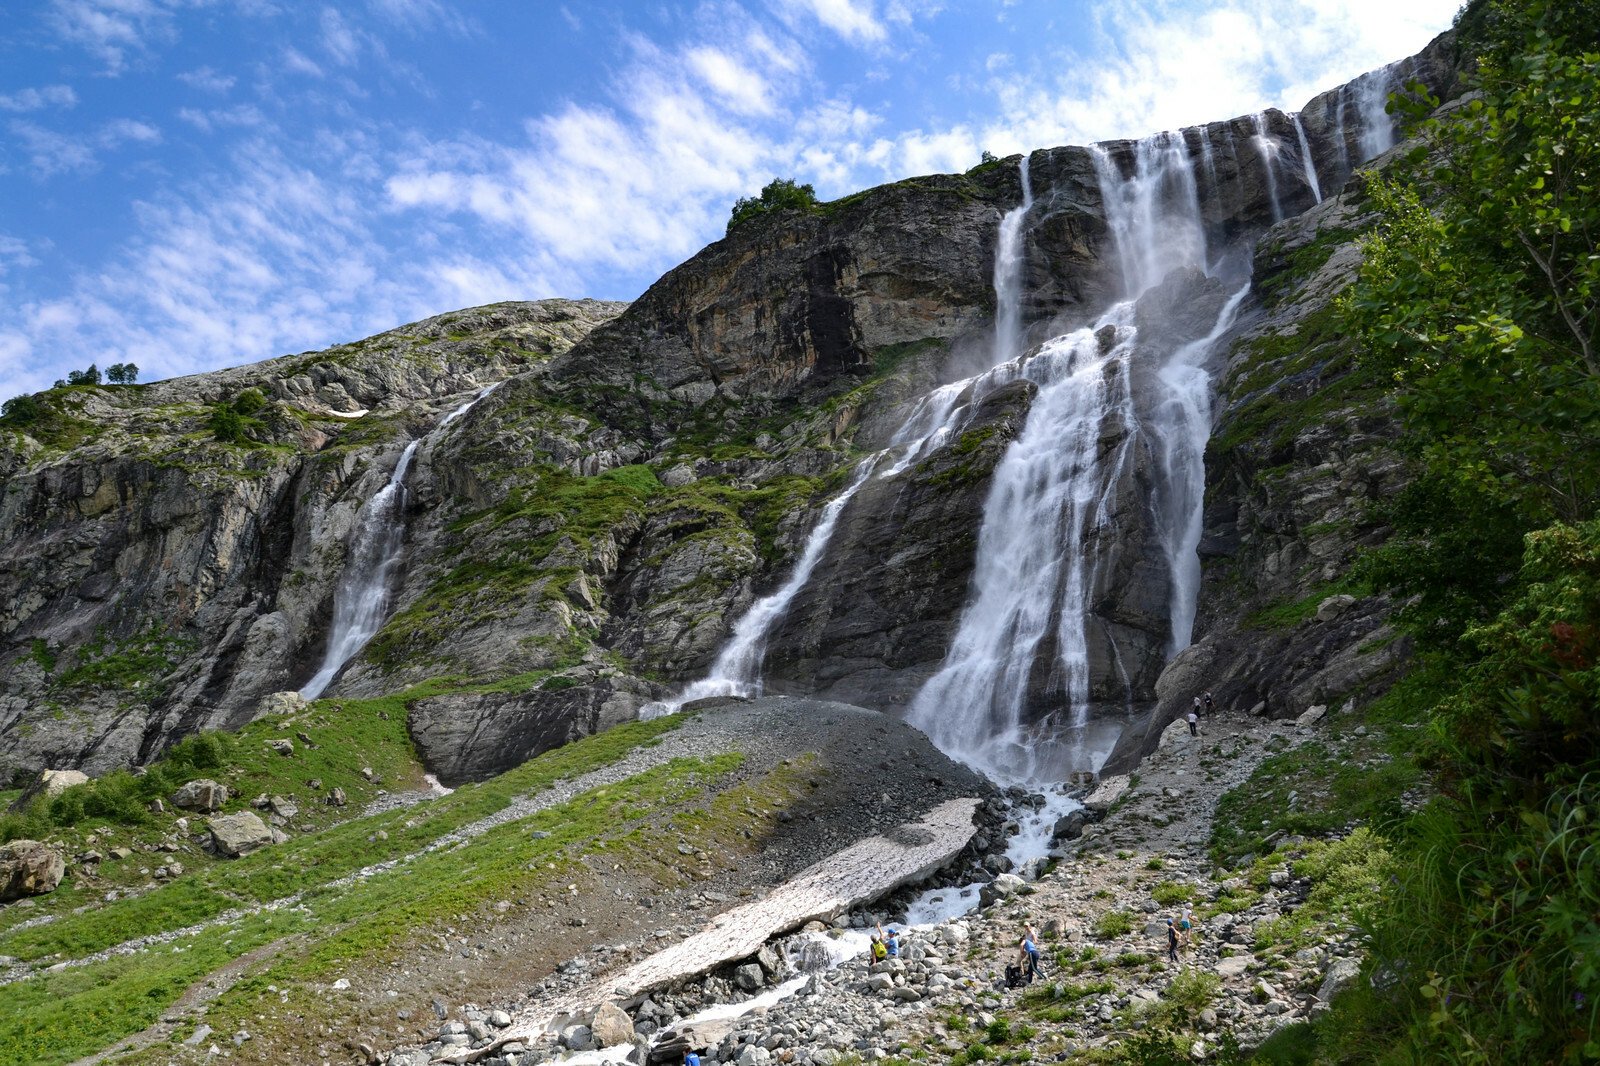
<point x="1377" y="127"/>
<point x="1180" y="426"/>
<point x="1009" y="260"/>
<point x="737" y="670"/>
<point x="1029" y="579"/>
<point x="1154" y="215"/>
<point x="1307" y="164"/>
<point x="361" y="600"/>
<point x="1268" y="148"/>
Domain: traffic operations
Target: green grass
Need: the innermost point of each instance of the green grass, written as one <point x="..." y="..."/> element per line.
<point x="61" y="1016"/>
<point x="1170" y="892"/>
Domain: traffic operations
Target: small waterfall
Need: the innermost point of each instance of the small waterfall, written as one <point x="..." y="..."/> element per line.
<point x="1268" y="148"/>
<point x="737" y="670"/>
<point x="1010" y="257"/>
<point x="361" y="600"/>
<point x="1307" y="164"/>
<point x="1180" y="426"/>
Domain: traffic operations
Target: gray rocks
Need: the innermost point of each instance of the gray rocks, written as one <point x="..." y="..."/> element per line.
<point x="280" y="703"/>
<point x="1339" y="976"/>
<point x="29" y="868"/>
<point x="49" y="784"/>
<point x="611" y="1026"/>
<point x="239" y="834"/>
<point x="204" y="796"/>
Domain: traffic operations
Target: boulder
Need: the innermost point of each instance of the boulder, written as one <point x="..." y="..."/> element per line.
<point x="29" y="868"/>
<point x="611" y="1026"/>
<point x="287" y="702"/>
<point x="204" y="796"/>
<point x="748" y="976"/>
<point x="1110" y="790"/>
<point x="49" y="784"/>
<point x="239" y="834"/>
<point x="1312" y="715"/>
<point x="1070" y="827"/>
<point x="1338" y="977"/>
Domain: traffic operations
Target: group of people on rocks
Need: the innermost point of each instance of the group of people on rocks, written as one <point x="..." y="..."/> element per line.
<point x="1203" y="705"/>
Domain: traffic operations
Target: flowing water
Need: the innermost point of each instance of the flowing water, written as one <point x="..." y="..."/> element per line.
<point x="1307" y="164"/>
<point x="1268" y="148"/>
<point x="361" y="600"/>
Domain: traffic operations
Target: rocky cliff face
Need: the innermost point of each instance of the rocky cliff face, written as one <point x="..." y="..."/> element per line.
<point x="157" y="580"/>
<point x="583" y="541"/>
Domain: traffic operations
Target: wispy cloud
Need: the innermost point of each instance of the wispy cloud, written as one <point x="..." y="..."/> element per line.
<point x="113" y="31"/>
<point x="52" y="152"/>
<point x="25" y="100"/>
<point x="207" y="80"/>
<point x="854" y="20"/>
<point x="208" y="120"/>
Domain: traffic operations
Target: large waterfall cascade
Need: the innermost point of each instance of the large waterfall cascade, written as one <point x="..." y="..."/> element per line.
<point x="361" y="599"/>
<point x="1025" y="627"/>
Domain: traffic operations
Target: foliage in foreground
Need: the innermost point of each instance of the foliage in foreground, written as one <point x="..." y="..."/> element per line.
<point x="1480" y="300"/>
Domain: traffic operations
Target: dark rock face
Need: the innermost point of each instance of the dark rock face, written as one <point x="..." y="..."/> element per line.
<point x="872" y="623"/>
<point x="474" y="737"/>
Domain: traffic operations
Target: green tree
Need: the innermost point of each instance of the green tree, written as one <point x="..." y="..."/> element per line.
<point x="1478" y="299"/>
<point x="88" y="376"/>
<point x="780" y="194"/>
<point x="20" y="411"/>
<point x="122" y="373"/>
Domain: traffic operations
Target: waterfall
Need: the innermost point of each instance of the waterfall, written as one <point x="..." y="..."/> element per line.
<point x="1267" y="146"/>
<point x="737" y="670"/>
<point x="1047" y="495"/>
<point x="361" y="600"/>
<point x="1010" y="257"/>
<point x="1154" y="215"/>
<point x="1180" y="425"/>
<point x="1307" y="164"/>
<point x="1372" y="98"/>
<point x="1024" y="633"/>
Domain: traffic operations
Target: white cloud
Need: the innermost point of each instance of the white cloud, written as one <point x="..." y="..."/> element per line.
<point x="14" y="252"/>
<point x="338" y="39"/>
<point x="113" y="31"/>
<point x="240" y="116"/>
<point x="38" y="99"/>
<point x="1158" y="66"/>
<point x="298" y="62"/>
<point x="744" y="91"/>
<point x="51" y="152"/>
<point x="207" y="80"/>
<point x="854" y="20"/>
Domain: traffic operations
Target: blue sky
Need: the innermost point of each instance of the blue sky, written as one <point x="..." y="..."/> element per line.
<point x="191" y="184"/>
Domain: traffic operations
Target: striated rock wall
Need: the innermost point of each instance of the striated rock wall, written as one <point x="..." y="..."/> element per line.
<point x="155" y="580"/>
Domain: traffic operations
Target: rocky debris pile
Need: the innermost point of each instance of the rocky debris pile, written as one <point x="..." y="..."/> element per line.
<point x="1100" y="912"/>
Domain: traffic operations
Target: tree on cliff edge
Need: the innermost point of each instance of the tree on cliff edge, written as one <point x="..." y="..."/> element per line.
<point x="779" y="194"/>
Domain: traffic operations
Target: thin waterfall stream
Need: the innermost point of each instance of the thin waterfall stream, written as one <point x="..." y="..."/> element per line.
<point x="361" y="600"/>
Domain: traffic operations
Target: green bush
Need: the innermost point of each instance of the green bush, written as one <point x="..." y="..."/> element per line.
<point x="780" y="194"/>
<point x="1113" y="924"/>
<point x="20" y="411"/>
<point x="249" y="401"/>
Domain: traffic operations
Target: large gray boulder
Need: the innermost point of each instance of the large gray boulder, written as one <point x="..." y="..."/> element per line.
<point x="29" y="868"/>
<point x="239" y="834"/>
<point x="204" y="796"/>
<point x="49" y="784"/>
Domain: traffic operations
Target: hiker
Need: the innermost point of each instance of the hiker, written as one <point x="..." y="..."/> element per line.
<point x="1194" y="721"/>
<point x="1186" y="927"/>
<point x="880" y="950"/>
<point x="1172" y="941"/>
<point x="891" y="942"/>
<point x="1028" y="947"/>
<point x="1211" y="707"/>
<point x="690" y="1058"/>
